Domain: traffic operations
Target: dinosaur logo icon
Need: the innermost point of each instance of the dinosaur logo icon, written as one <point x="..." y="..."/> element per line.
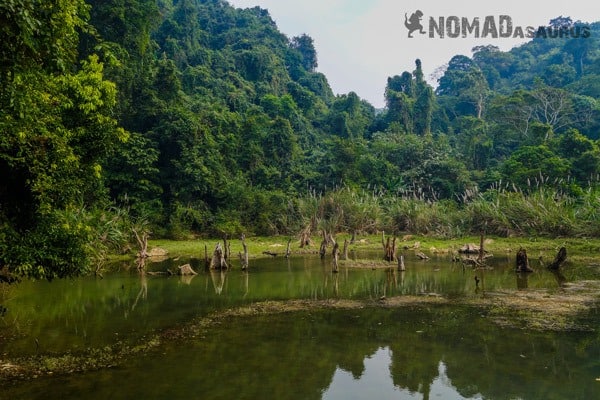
<point x="414" y="23"/>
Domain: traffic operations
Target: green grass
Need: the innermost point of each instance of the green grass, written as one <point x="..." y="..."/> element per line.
<point x="580" y="248"/>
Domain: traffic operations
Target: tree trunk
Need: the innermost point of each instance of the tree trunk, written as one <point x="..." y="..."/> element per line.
<point x="353" y="239"/>
<point x="323" y="248"/>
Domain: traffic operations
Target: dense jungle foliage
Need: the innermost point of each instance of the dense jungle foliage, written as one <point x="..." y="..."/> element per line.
<point x="188" y="117"/>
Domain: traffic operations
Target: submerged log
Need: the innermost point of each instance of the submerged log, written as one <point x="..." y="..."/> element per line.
<point x="560" y="258"/>
<point x="523" y="261"/>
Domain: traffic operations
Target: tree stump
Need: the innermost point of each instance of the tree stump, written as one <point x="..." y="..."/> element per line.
<point x="389" y="248"/>
<point x="218" y="259"/>
<point x="336" y="255"/>
<point x="288" y="251"/>
<point x="244" y="257"/>
<point x="560" y="258"/>
<point x="186" y="269"/>
<point x="523" y="261"/>
<point x="401" y="266"/>
<point x="345" y="251"/>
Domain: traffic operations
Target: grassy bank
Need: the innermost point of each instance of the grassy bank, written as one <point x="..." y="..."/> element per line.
<point x="579" y="248"/>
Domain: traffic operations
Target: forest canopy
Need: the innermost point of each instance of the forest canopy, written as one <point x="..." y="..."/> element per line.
<point x="192" y="117"/>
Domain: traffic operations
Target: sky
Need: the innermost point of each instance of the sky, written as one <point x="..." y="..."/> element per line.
<point x="360" y="43"/>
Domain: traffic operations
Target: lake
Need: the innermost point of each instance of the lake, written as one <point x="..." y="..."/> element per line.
<point x="419" y="352"/>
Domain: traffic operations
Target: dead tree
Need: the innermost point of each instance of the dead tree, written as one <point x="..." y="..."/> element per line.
<point x="226" y="248"/>
<point x="401" y="266"/>
<point x="353" y="239"/>
<point x="336" y="255"/>
<point x="389" y="248"/>
<point x="288" y="252"/>
<point x="218" y="259"/>
<point x="185" y="270"/>
<point x="480" y="258"/>
<point x="345" y="251"/>
<point x="206" y="260"/>
<point x="323" y="248"/>
<point x="244" y="257"/>
<point x="142" y="242"/>
<point x="523" y="261"/>
<point x="560" y="258"/>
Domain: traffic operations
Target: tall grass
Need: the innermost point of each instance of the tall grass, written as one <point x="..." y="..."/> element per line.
<point x="502" y="210"/>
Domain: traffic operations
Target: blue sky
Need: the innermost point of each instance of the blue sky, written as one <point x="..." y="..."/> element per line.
<point x="360" y="43"/>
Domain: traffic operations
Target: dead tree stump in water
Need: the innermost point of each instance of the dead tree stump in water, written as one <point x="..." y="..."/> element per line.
<point x="244" y="257"/>
<point x="389" y="248"/>
<point x="560" y="258"/>
<point x="523" y="261"/>
<point x="336" y="255"/>
<point x="323" y="248"/>
<point x="218" y="259"/>
<point x="288" y="251"/>
<point x="401" y="266"/>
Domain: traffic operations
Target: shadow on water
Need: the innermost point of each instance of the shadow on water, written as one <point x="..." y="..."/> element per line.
<point x="427" y="352"/>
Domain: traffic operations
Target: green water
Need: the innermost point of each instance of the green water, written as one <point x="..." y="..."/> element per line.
<point x="426" y="352"/>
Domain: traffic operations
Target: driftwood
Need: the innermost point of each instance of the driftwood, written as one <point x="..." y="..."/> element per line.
<point x="560" y="258"/>
<point x="270" y="253"/>
<point x="422" y="256"/>
<point x="218" y="259"/>
<point x="523" y="261"/>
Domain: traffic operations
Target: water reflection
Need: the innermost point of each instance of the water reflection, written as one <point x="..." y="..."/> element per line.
<point x="420" y="353"/>
<point x="79" y="313"/>
<point x="375" y="382"/>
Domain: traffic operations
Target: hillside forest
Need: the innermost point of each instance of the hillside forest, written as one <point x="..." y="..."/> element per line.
<point x="187" y="118"/>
